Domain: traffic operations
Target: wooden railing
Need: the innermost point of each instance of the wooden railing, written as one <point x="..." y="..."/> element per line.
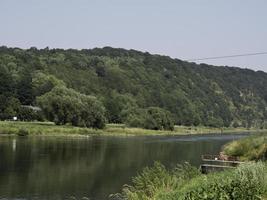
<point x="219" y="157"/>
<point x="221" y="162"/>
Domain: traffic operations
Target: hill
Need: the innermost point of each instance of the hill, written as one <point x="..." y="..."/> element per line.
<point x="127" y="80"/>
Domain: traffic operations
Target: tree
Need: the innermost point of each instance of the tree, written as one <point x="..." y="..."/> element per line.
<point x="62" y="105"/>
<point x="127" y="79"/>
<point x="9" y="107"/>
<point x="117" y="106"/>
<point x="24" y="87"/>
<point x="43" y="83"/>
<point x="6" y="82"/>
<point x="158" y="119"/>
<point x="154" y="118"/>
<point x="29" y="114"/>
<point x="214" y="122"/>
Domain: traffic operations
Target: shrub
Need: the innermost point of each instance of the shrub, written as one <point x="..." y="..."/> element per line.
<point x="23" y="132"/>
<point x="157" y="180"/>
<point x="28" y="114"/>
<point x="135" y="121"/>
<point x="62" y="105"/>
<point x="153" y="118"/>
<point x="247" y="182"/>
<point x="251" y="148"/>
<point x="158" y="119"/>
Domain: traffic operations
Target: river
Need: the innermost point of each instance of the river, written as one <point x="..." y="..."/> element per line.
<point x="93" y="167"/>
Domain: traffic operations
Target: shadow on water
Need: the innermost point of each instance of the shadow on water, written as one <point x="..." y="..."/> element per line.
<point x="94" y="167"/>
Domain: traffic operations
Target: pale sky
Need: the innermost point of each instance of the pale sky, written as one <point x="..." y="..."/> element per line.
<point x="181" y="29"/>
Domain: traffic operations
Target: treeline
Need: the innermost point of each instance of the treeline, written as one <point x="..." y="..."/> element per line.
<point x="92" y="87"/>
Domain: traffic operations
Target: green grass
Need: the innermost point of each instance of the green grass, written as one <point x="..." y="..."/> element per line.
<point x="121" y="129"/>
<point x="42" y="128"/>
<point x="247" y="182"/>
<point x="48" y="128"/>
<point x="251" y="148"/>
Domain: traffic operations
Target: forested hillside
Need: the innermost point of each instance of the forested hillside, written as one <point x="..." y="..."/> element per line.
<point x="127" y="82"/>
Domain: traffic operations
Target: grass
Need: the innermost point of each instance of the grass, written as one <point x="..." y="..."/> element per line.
<point x="251" y="148"/>
<point x="49" y="128"/>
<point x="43" y="128"/>
<point x="247" y="182"/>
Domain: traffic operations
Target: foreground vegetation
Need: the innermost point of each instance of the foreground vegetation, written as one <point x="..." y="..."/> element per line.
<point x="251" y="148"/>
<point x="126" y="84"/>
<point x="185" y="182"/>
<point x="49" y="128"/>
<point x="247" y="182"/>
<point x="62" y="105"/>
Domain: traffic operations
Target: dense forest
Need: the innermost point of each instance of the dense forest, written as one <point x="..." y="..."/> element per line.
<point x="128" y="86"/>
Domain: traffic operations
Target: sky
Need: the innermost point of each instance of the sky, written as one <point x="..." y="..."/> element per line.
<point x="184" y="29"/>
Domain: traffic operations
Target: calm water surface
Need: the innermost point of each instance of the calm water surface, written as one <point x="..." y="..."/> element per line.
<point x="94" y="167"/>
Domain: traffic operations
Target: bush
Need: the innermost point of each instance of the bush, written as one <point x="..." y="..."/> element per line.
<point x="135" y="121"/>
<point x="63" y="105"/>
<point x="251" y="148"/>
<point x="28" y="114"/>
<point x="9" y="107"/>
<point x="153" y="118"/>
<point x="215" y="122"/>
<point x="247" y="182"/>
<point x="23" y="132"/>
<point x="156" y="180"/>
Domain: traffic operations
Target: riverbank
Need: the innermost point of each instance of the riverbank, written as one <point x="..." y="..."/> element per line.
<point x="248" y="149"/>
<point x="247" y="181"/>
<point x="49" y="128"/>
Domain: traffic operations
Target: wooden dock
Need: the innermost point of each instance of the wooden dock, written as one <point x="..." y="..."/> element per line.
<point x="213" y="163"/>
<point x="206" y="168"/>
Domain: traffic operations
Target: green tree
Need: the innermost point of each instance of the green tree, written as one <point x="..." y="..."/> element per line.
<point x="62" y="105"/>
<point x="194" y="94"/>
<point x="24" y="88"/>
<point x="118" y="105"/>
<point x="154" y="118"/>
<point x="6" y="82"/>
<point x="9" y="107"/>
<point x="43" y="83"/>
<point x="158" y="119"/>
<point x="29" y="114"/>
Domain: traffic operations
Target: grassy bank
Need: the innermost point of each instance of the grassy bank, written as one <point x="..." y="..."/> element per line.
<point x="48" y="128"/>
<point x="42" y="128"/>
<point x="184" y="182"/>
<point x="251" y="148"/>
<point x="247" y="182"/>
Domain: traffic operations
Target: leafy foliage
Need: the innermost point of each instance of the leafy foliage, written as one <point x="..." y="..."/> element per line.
<point x="247" y="182"/>
<point x="9" y="107"/>
<point x="156" y="180"/>
<point x="153" y="118"/>
<point x="28" y="114"/>
<point x="127" y="80"/>
<point x="62" y="105"/>
<point x="251" y="148"/>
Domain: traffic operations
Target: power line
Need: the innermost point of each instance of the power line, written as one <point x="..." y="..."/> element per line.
<point x="229" y="56"/>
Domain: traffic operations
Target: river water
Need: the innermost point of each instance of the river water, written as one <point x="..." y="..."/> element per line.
<point x="94" y="167"/>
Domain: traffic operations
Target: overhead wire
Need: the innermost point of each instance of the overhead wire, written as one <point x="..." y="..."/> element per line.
<point x="226" y="56"/>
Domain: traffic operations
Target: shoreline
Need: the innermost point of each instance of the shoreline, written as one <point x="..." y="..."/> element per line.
<point x="9" y="128"/>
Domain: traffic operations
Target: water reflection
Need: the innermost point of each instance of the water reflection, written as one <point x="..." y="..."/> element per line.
<point x="14" y="144"/>
<point x="57" y="168"/>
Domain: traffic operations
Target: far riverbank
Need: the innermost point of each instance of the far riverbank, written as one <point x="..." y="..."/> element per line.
<point x="48" y="128"/>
